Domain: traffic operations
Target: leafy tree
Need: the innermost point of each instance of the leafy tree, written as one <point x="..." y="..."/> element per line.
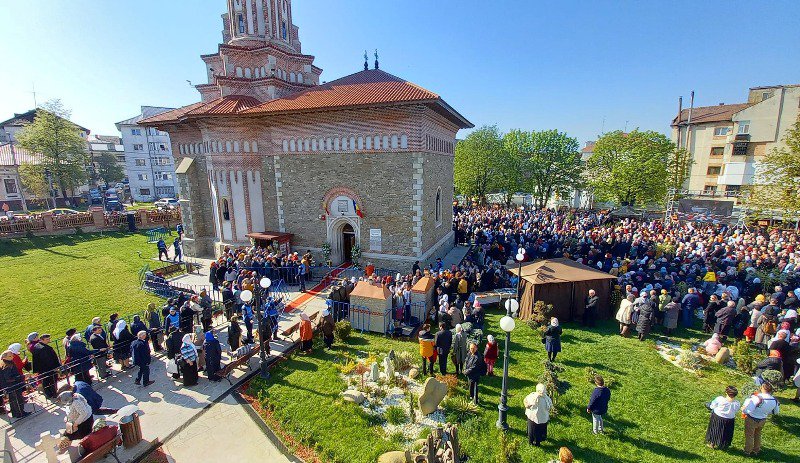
<point x="678" y="166"/>
<point x="108" y="169"/>
<point x="548" y="162"/>
<point x="777" y="181"/>
<point x="59" y="142"/>
<point x="630" y="168"/>
<point x="477" y="170"/>
<point x="34" y="180"/>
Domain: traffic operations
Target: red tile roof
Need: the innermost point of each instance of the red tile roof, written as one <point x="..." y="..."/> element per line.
<point x="705" y="114"/>
<point x="366" y="88"/>
<point x="362" y="88"/>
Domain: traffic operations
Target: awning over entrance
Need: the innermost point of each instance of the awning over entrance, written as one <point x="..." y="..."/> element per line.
<point x="278" y="240"/>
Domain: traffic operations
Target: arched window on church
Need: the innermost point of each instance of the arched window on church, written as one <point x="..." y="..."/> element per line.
<point x="336" y="144"/>
<point x="241" y="24"/>
<point x="291" y="145"/>
<point x="438" y="206"/>
<point x="239" y="72"/>
<point x="247" y="146"/>
<point x="361" y="143"/>
<point x="247" y="72"/>
<point x="403" y="141"/>
<point x="328" y="144"/>
<point x="257" y="73"/>
<point x="228" y="146"/>
<point x="395" y="142"/>
<point x="313" y="144"/>
<point x="377" y="143"/>
<point x="300" y="77"/>
<point x="386" y="142"/>
<point x="255" y="146"/>
<point x="352" y="145"/>
<point x="306" y="144"/>
<point x="292" y="77"/>
<point x="235" y="146"/>
<point x="226" y="213"/>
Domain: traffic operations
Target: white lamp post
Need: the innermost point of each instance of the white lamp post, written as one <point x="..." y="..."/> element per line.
<point x="264" y="283"/>
<point x="506" y="324"/>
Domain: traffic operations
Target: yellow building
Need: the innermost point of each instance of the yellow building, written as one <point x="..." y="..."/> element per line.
<point x="727" y="141"/>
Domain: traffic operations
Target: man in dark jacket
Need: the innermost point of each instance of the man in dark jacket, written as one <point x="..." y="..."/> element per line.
<point x="140" y="350"/>
<point x="443" y="341"/>
<point x="725" y="317"/>
<point x="690" y="302"/>
<point x="80" y="358"/>
<point x="474" y="368"/>
<point x="94" y="399"/>
<point x="98" y="342"/>
<point x="590" y="310"/>
<point x="45" y="361"/>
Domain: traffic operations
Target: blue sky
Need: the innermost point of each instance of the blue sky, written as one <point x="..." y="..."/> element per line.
<point x="519" y="64"/>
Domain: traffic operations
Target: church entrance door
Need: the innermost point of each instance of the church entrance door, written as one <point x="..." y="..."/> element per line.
<point x="348" y="241"/>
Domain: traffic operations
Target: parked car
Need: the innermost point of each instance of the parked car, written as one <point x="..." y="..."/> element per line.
<point x="166" y="203"/>
<point x="114" y="205"/>
<point x="63" y="211"/>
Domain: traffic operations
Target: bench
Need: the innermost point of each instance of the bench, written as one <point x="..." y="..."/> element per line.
<point x="237" y="362"/>
<point x="109" y="448"/>
<point x="295" y="327"/>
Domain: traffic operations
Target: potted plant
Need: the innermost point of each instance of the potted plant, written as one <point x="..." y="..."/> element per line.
<point x="326" y="253"/>
<point x="355" y="254"/>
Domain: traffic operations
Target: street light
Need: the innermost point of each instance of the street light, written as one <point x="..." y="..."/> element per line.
<point x="520" y="258"/>
<point x="506" y="324"/>
<point x="264" y="284"/>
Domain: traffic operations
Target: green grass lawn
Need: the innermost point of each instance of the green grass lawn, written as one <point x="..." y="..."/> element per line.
<point x="50" y="284"/>
<point x="657" y="411"/>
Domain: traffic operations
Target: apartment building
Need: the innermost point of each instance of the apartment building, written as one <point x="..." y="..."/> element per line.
<point x="149" y="164"/>
<point x="727" y="141"/>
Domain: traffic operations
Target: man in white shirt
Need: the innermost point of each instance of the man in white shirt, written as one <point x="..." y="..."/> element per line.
<point x="757" y="409"/>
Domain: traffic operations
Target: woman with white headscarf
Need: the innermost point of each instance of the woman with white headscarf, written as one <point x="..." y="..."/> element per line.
<point x="188" y="361"/>
<point x="122" y="344"/>
<point x="21" y="364"/>
<point x="552" y="339"/>
<point x="537" y="409"/>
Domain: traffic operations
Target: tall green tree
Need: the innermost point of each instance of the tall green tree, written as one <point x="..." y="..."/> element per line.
<point x="548" y="162"/>
<point x="632" y="168"/>
<point x="107" y="168"/>
<point x="58" y="140"/>
<point x="776" y="186"/>
<point x="678" y="167"/>
<point x="477" y="170"/>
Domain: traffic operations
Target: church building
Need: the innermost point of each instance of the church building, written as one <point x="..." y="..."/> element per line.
<point x="363" y="163"/>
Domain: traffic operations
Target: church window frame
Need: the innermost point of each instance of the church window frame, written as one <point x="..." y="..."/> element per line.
<point x="285" y="146"/>
<point x="292" y="77"/>
<point x="292" y="146"/>
<point x="395" y="141"/>
<point x="403" y="141"/>
<point x="306" y="144"/>
<point x="376" y="144"/>
<point x="438" y="207"/>
<point x="228" y="146"/>
<point x="246" y="146"/>
<point x="385" y="142"/>
<point x="239" y="72"/>
<point x="336" y="146"/>
<point x="226" y="211"/>
<point x="321" y="144"/>
<point x="352" y="143"/>
<point x="241" y="24"/>
<point x="235" y="146"/>
<point x="254" y="146"/>
<point x="248" y="73"/>
<point x="368" y="142"/>
<point x="313" y="144"/>
<point x="300" y="77"/>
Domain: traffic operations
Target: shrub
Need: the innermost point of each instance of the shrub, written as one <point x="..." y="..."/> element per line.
<point x="347" y="367"/>
<point x="743" y="356"/>
<point x="691" y="361"/>
<point x="747" y="390"/>
<point x="342" y="330"/>
<point x="451" y="381"/>
<point x="542" y="312"/>
<point x="395" y="415"/>
<point x="403" y="360"/>
<point x="507" y="450"/>
<point x="459" y="409"/>
<point x="773" y="377"/>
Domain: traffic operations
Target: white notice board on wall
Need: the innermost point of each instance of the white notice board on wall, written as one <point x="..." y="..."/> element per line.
<point x="375" y="239"/>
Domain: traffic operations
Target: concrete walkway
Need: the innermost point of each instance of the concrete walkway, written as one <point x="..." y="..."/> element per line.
<point x="226" y="433"/>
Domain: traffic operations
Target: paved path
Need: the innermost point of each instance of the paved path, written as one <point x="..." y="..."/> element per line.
<point x="166" y="405"/>
<point x="225" y="433"/>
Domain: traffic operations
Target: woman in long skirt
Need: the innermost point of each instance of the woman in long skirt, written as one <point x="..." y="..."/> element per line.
<point x="723" y="417"/>
<point x="189" y="361"/>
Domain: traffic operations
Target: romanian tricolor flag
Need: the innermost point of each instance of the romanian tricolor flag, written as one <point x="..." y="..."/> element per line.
<point x="358" y="209"/>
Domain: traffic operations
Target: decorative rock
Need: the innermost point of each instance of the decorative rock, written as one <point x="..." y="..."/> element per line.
<point x="388" y="365"/>
<point x="723" y="355"/>
<point x="395" y="457"/>
<point x="374" y="374"/>
<point x="351" y="395"/>
<point x="433" y="391"/>
<point x="413" y="373"/>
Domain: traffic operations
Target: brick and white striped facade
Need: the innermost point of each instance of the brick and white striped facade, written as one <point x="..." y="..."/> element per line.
<point x="301" y="172"/>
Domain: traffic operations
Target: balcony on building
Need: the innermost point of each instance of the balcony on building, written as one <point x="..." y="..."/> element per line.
<point x="737" y="173"/>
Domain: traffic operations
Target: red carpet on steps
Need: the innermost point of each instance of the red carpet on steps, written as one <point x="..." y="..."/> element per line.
<point x="306" y="296"/>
